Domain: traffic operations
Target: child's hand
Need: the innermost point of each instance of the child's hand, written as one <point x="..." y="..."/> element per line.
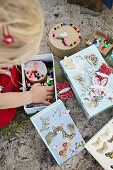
<point x="40" y="94"/>
<point x="4" y="63"/>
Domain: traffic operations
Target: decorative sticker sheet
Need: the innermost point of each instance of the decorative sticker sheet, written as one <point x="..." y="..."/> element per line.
<point x="101" y="146"/>
<point x="91" y="80"/>
<point x="58" y="131"/>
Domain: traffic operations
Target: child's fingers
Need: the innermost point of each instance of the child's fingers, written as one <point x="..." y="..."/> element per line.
<point x="4" y="60"/>
<point x="5" y="65"/>
<point x="38" y="84"/>
<point x="50" y="88"/>
<point x="50" y="93"/>
<point x="49" y="97"/>
<point x="47" y="102"/>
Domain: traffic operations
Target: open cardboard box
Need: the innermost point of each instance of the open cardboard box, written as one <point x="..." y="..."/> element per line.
<point x="109" y="59"/>
<point x="46" y="58"/>
<point x="104" y="37"/>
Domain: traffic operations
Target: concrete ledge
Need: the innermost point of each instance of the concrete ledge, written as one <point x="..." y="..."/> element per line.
<point x="90" y="4"/>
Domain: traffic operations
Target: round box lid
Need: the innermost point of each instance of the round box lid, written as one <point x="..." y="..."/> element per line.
<point x="35" y="71"/>
<point x="64" y="39"/>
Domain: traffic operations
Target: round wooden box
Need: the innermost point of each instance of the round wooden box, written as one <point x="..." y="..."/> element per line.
<point x="64" y="39"/>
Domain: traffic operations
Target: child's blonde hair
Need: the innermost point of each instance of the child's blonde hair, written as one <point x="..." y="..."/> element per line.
<point x="25" y="24"/>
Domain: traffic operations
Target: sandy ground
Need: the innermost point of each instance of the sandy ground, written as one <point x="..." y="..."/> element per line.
<point x="26" y="150"/>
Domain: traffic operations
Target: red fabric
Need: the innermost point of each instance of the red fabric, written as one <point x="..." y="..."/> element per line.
<point x="105" y="70"/>
<point x="67" y="94"/>
<point x="6" y="115"/>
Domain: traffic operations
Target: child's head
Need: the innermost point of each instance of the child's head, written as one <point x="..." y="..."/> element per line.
<point x="25" y="24"/>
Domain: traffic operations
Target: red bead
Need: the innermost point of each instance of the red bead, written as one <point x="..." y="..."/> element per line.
<point x="75" y="28"/>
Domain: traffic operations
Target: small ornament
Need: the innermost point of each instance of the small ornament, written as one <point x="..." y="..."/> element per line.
<point x="89" y="42"/>
<point x="71" y="135"/>
<point x="45" y="123"/>
<point x="56" y="146"/>
<point x="55" y="112"/>
<point x="66" y="146"/>
<point x="107" y="43"/>
<point x="57" y="128"/>
<point x="103" y="48"/>
<point x="78" y="145"/>
<point x="103" y="149"/>
<point x="92" y="59"/>
<point x="50" y="70"/>
<point x="100" y="40"/>
<point x="64" y="35"/>
<point x="65" y="113"/>
<point x="96" y="42"/>
<point x="96" y="36"/>
<point x="79" y="78"/>
<point x="68" y="63"/>
<point x="64" y="90"/>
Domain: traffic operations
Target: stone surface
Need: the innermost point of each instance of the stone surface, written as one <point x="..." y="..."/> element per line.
<point x="85" y="3"/>
<point x="26" y="150"/>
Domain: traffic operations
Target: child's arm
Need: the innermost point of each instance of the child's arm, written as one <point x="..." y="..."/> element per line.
<point x="37" y="94"/>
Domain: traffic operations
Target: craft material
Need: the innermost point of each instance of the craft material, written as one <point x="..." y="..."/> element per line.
<point x="94" y="87"/>
<point x="64" y="90"/>
<point x="92" y="59"/>
<point x="72" y="129"/>
<point x="69" y="64"/>
<point x="100" y="147"/>
<point x="65" y="149"/>
<point x="43" y="66"/>
<point x="62" y="138"/>
<point x="80" y="79"/>
<point x="78" y="145"/>
<point x="65" y="113"/>
<point x="56" y="146"/>
<point x="98" y="141"/>
<point x="103" y="43"/>
<point x="64" y="39"/>
<point x="45" y="123"/>
<point x="110" y="140"/>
